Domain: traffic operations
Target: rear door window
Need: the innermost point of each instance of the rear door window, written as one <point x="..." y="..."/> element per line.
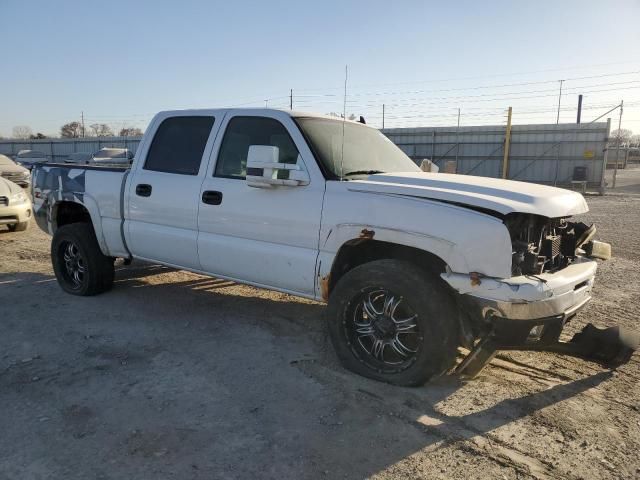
<point x="178" y="145"/>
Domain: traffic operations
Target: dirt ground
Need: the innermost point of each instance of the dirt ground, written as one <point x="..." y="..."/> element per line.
<point x="176" y="375"/>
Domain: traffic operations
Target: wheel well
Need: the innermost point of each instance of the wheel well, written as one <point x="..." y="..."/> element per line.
<point x="71" y="212"/>
<point x="358" y="251"/>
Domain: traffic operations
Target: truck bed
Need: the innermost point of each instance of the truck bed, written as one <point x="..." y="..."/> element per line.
<point x="98" y="189"/>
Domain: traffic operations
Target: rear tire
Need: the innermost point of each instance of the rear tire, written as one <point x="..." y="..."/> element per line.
<point x="18" y="227"/>
<point x="393" y="322"/>
<point x="79" y="265"/>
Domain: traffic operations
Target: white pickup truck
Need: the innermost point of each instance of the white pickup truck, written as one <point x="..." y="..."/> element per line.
<point x="413" y="265"/>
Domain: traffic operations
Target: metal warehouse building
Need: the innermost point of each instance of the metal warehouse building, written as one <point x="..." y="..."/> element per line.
<point x="538" y="153"/>
<point x="543" y="153"/>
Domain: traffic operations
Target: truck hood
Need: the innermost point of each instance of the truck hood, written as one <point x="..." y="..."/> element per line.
<point x="501" y="196"/>
<point x="13" y="168"/>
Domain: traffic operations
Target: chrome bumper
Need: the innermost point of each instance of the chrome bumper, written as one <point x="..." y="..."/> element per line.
<point x="567" y="305"/>
<point x="529" y="313"/>
<point x="562" y="293"/>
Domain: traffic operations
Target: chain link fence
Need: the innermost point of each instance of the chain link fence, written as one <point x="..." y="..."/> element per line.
<point x="59" y="149"/>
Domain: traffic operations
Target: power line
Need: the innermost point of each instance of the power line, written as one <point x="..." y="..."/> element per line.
<point x="583" y="67"/>
<point x="420" y="102"/>
<point x="402" y="92"/>
<point x="492" y="96"/>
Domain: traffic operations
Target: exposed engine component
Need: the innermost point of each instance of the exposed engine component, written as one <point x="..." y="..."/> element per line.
<point x="543" y="245"/>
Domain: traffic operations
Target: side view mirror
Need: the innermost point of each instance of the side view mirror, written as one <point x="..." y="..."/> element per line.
<point x="264" y="170"/>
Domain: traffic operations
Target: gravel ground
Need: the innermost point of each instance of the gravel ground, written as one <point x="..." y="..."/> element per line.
<point x="176" y="375"/>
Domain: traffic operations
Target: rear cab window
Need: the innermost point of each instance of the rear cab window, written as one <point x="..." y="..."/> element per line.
<point x="178" y="145"/>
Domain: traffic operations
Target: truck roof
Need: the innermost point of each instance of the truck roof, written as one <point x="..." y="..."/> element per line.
<point x="213" y="111"/>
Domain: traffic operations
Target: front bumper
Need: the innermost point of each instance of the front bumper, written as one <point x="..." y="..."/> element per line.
<point x="529" y="313"/>
<point x="610" y="347"/>
<point x="12" y="214"/>
<point x="528" y="297"/>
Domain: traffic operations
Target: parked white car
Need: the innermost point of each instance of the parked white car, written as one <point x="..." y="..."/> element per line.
<point x="15" y="206"/>
<point x="81" y="158"/>
<point x="108" y="156"/>
<point x="10" y="170"/>
<point x="29" y="158"/>
<point x="412" y="264"/>
<point x="112" y="156"/>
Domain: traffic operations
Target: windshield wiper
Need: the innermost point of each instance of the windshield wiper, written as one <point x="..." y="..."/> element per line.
<point x="363" y="172"/>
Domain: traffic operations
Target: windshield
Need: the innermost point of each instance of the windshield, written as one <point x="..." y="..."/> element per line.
<point x="366" y="150"/>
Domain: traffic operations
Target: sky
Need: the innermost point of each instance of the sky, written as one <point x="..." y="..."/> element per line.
<point x="119" y="62"/>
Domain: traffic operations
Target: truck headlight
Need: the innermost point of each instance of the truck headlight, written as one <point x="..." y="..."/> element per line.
<point x="17" y="199"/>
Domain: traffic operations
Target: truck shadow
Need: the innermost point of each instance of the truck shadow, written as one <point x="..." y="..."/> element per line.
<point x="398" y="422"/>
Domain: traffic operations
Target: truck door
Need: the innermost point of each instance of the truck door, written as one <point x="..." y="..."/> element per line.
<point x="164" y="191"/>
<point x="264" y="236"/>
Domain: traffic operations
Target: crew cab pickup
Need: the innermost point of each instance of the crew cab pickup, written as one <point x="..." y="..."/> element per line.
<point x="413" y="265"/>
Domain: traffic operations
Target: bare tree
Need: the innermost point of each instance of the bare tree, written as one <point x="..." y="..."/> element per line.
<point x="71" y="130"/>
<point x="131" y="132"/>
<point x="101" y="130"/>
<point x="623" y="135"/>
<point x="635" y="141"/>
<point x="22" y="131"/>
<point x="351" y="116"/>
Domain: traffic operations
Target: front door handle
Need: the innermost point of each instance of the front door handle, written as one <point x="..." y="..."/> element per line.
<point x="212" y="197"/>
<point x="143" y="190"/>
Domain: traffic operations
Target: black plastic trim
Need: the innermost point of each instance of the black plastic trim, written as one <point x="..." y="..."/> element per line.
<point x="255" y="172"/>
<point x="74" y="166"/>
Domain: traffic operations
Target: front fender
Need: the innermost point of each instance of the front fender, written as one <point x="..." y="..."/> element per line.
<point x="466" y="240"/>
<point x="342" y="233"/>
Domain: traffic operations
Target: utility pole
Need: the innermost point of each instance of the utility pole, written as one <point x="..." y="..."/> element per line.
<point x="507" y="144"/>
<point x="579" y="109"/>
<point x="559" y="100"/>
<point x="457" y="141"/>
<point x="291" y="99"/>
<point x="615" y="169"/>
<point x="266" y="103"/>
<point x="383" y="116"/>
<point x="82" y="122"/>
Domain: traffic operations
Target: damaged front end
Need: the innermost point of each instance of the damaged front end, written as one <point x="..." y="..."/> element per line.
<point x="553" y="270"/>
<point x="610" y="347"/>
<point x="543" y="244"/>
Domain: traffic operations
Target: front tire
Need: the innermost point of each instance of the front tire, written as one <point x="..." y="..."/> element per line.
<point x="78" y="263"/>
<point x="393" y="322"/>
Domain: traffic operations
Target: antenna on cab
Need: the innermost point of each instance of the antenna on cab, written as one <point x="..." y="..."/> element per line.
<point x="344" y="119"/>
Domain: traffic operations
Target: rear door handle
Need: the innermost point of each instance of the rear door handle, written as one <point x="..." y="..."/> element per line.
<point x="143" y="190"/>
<point x="212" y="197"/>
